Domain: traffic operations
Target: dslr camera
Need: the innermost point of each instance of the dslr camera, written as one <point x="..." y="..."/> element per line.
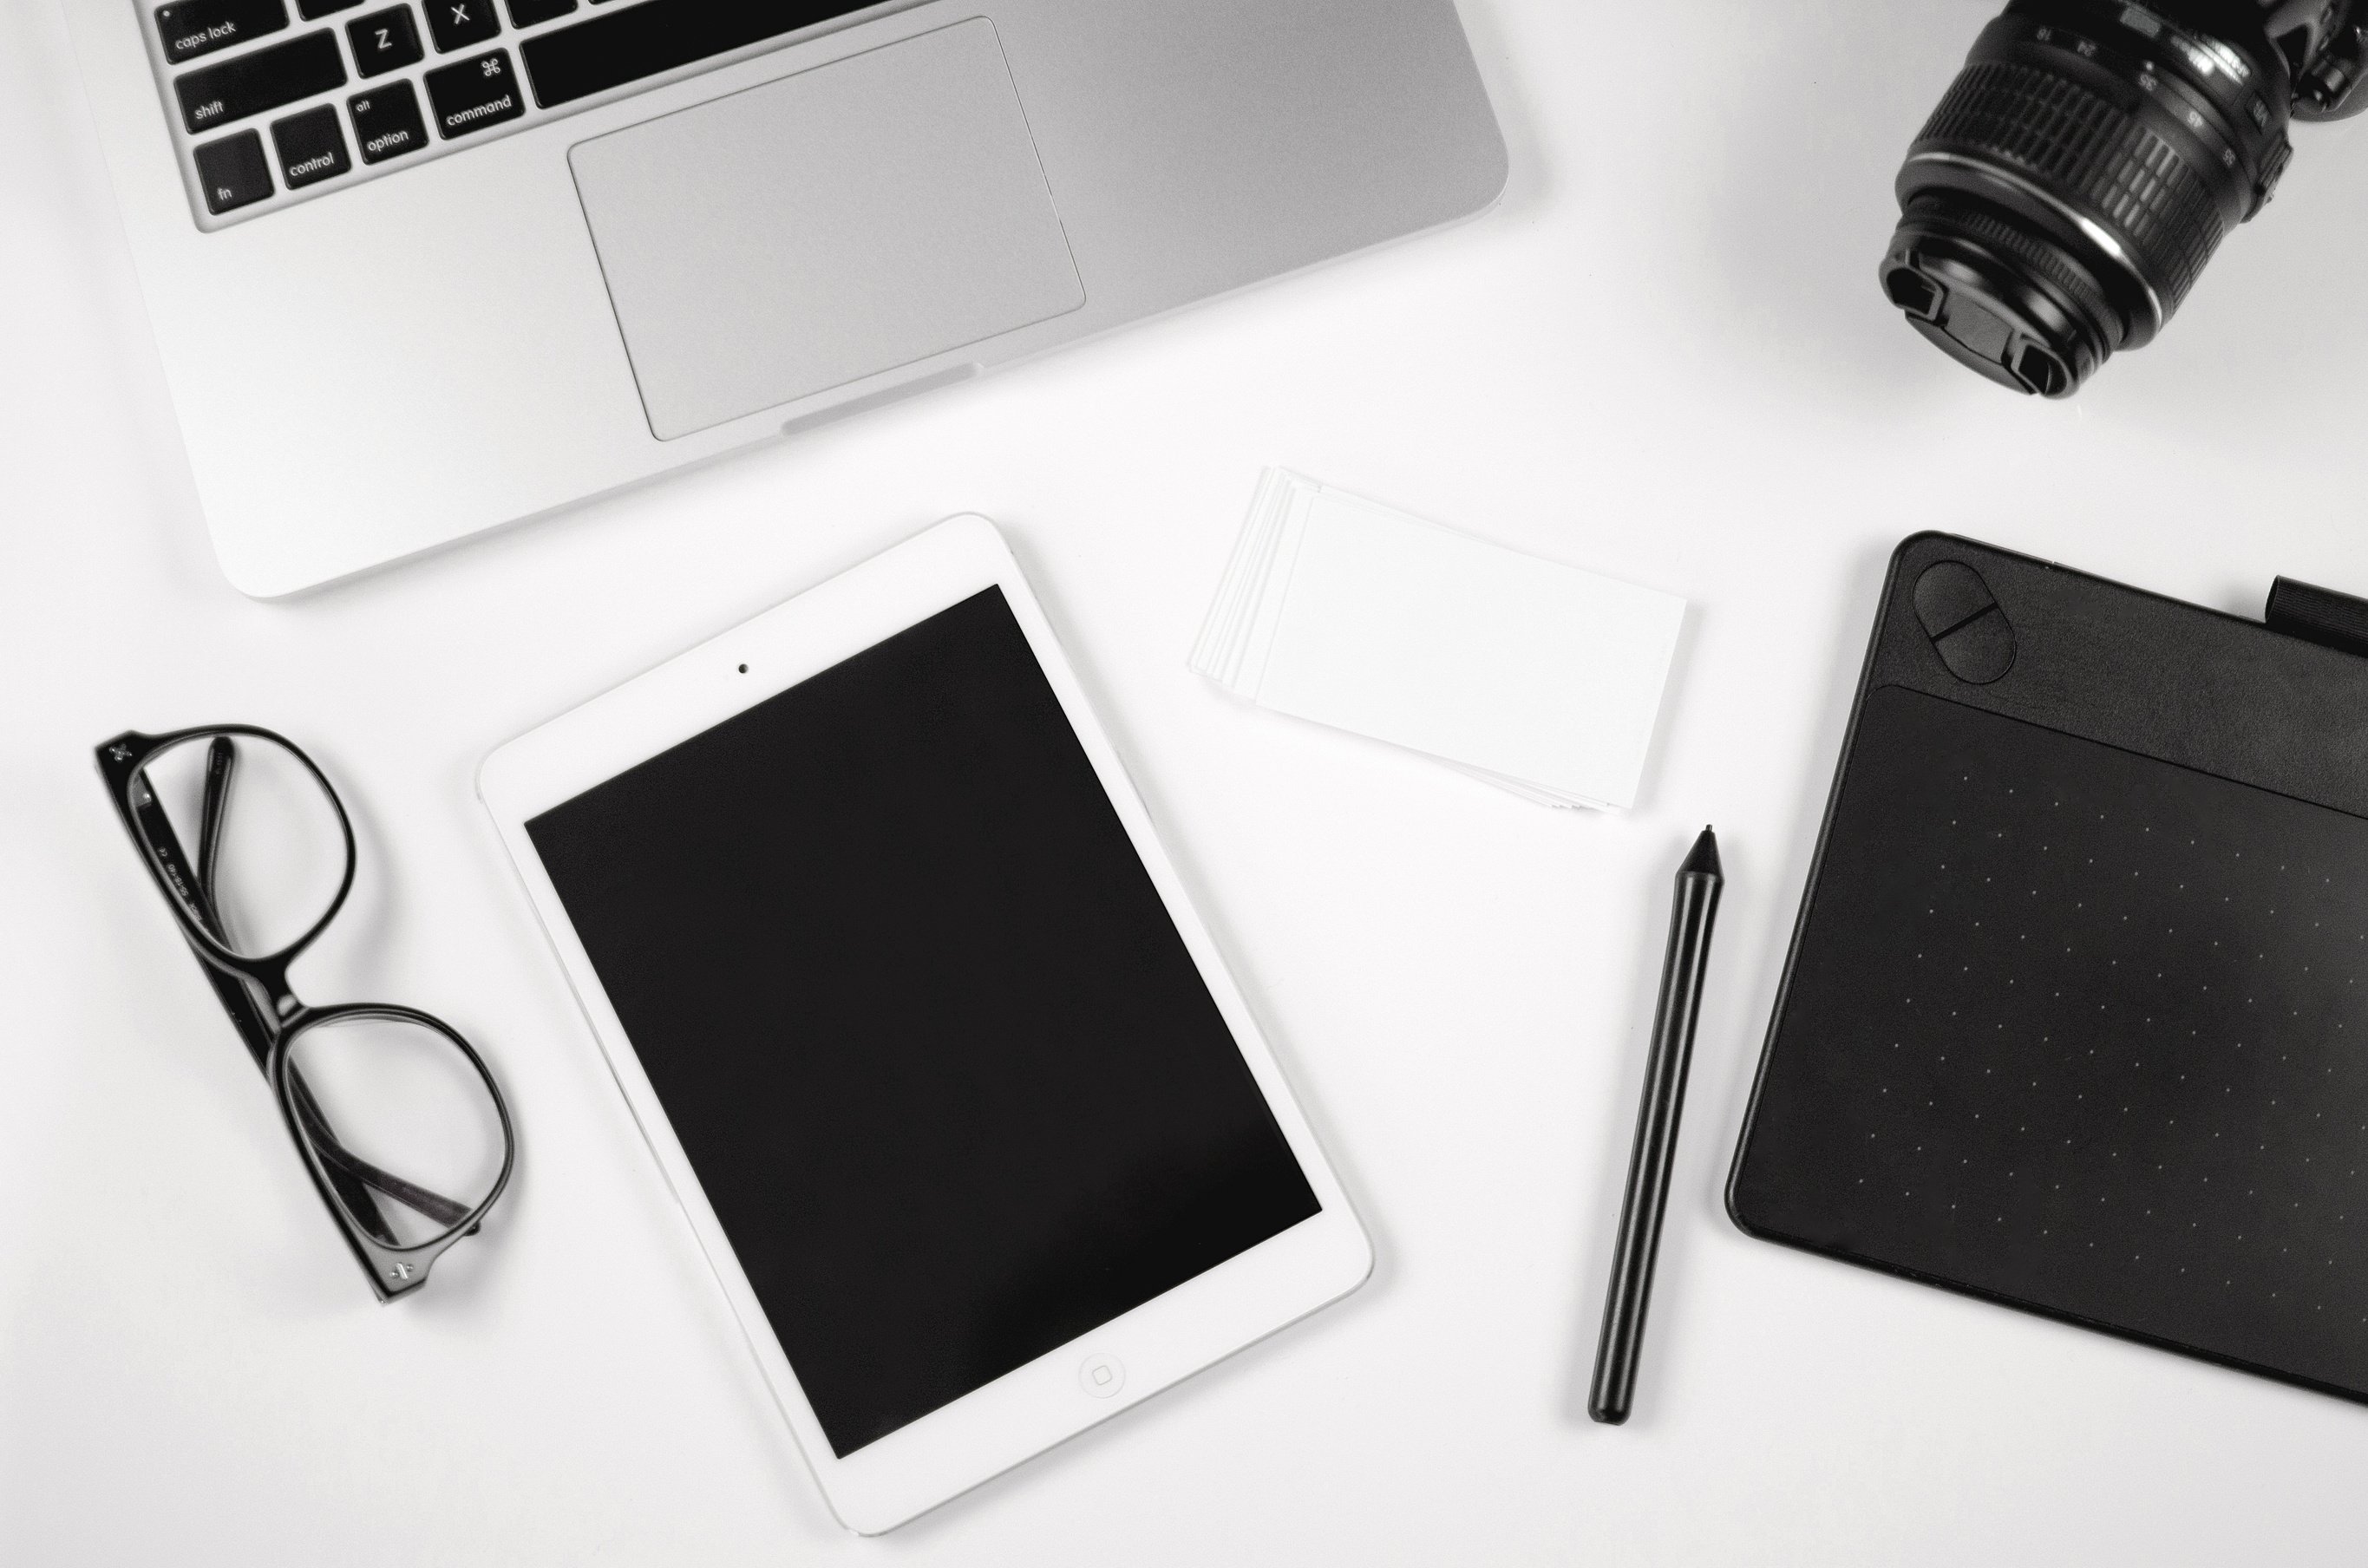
<point x="2062" y="200"/>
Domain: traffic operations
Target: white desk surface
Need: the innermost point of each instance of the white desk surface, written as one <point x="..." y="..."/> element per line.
<point x="1663" y="357"/>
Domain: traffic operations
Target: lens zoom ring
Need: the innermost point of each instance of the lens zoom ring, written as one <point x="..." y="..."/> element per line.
<point x="2092" y="154"/>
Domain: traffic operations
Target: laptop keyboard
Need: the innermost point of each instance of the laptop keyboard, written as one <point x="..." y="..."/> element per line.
<point x="275" y="101"/>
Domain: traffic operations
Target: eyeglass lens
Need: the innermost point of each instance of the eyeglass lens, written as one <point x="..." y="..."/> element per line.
<point x="394" y="1104"/>
<point x="259" y="830"/>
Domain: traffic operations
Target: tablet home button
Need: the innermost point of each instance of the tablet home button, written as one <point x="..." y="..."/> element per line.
<point x="1101" y="1376"/>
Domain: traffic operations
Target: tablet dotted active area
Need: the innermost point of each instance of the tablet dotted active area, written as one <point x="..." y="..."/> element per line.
<point x="2105" y="1051"/>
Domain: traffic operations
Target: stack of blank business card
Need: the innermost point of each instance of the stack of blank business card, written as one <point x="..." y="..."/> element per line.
<point x="1534" y="675"/>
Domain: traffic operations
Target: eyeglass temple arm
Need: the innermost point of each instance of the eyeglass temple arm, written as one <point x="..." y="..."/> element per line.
<point x="157" y="829"/>
<point x="344" y="1161"/>
<point x="221" y="765"/>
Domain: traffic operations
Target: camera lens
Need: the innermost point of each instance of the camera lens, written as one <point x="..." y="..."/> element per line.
<point x="2077" y="176"/>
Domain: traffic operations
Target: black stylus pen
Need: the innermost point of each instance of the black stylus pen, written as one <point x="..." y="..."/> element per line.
<point x="1691" y="910"/>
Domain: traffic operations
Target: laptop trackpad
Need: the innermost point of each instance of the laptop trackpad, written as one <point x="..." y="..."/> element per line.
<point x="823" y="228"/>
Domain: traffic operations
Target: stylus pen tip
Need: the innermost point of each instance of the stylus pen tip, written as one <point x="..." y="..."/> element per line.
<point x="1703" y="861"/>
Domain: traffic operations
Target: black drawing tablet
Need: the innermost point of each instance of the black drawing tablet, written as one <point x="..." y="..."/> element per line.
<point x="2076" y="1013"/>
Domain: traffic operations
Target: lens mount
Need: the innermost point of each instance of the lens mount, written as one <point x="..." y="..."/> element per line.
<point x="2071" y="186"/>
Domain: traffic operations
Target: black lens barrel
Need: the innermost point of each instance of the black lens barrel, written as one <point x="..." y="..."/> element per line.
<point x="2075" y="178"/>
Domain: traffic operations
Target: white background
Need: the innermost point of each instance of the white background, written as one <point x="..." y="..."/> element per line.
<point x="1663" y="357"/>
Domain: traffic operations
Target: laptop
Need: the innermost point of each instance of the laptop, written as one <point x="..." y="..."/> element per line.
<point x="418" y="269"/>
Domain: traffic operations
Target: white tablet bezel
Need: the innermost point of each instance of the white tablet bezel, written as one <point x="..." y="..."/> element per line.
<point x="1055" y="1396"/>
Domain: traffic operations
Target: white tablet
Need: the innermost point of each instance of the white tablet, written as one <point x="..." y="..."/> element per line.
<point x="949" y="1080"/>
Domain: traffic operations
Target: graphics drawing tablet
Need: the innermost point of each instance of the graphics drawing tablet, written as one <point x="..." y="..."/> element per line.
<point x="2076" y="1018"/>
<point x="977" y="1134"/>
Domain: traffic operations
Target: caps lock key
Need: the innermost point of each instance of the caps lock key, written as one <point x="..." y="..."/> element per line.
<point x="190" y="28"/>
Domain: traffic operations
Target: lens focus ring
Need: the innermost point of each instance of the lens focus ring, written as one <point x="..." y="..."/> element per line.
<point x="2092" y="155"/>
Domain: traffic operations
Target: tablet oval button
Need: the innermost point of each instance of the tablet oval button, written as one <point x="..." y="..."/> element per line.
<point x="1968" y="629"/>
<point x="1101" y="1376"/>
<point x="1948" y="595"/>
<point x="1982" y="649"/>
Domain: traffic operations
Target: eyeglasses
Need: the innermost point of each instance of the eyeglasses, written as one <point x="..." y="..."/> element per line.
<point x="362" y="1087"/>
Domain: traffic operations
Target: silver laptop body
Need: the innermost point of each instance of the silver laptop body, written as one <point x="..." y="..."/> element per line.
<point x="420" y="267"/>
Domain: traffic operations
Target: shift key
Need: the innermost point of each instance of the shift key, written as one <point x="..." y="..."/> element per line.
<point x="260" y="81"/>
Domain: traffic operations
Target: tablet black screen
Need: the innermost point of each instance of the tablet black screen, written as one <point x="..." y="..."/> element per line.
<point x="944" y="1068"/>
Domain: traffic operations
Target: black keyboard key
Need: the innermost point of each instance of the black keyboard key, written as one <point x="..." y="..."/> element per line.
<point x="384" y="41"/>
<point x="475" y="94"/>
<point x="233" y="172"/>
<point x="457" y="24"/>
<point x="191" y="28"/>
<point x="387" y="123"/>
<point x="312" y="147"/>
<point x="256" y="83"/>
<point x="309" y="10"/>
<point x="639" y="42"/>
<point x="531" y="13"/>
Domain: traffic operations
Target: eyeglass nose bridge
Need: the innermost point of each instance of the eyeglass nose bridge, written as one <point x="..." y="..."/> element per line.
<point x="269" y="978"/>
<point x="266" y="979"/>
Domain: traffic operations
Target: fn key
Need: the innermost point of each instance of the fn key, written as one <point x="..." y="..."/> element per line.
<point x="233" y="172"/>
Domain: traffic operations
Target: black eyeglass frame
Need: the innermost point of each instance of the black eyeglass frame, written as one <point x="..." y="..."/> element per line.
<point x="269" y="1018"/>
